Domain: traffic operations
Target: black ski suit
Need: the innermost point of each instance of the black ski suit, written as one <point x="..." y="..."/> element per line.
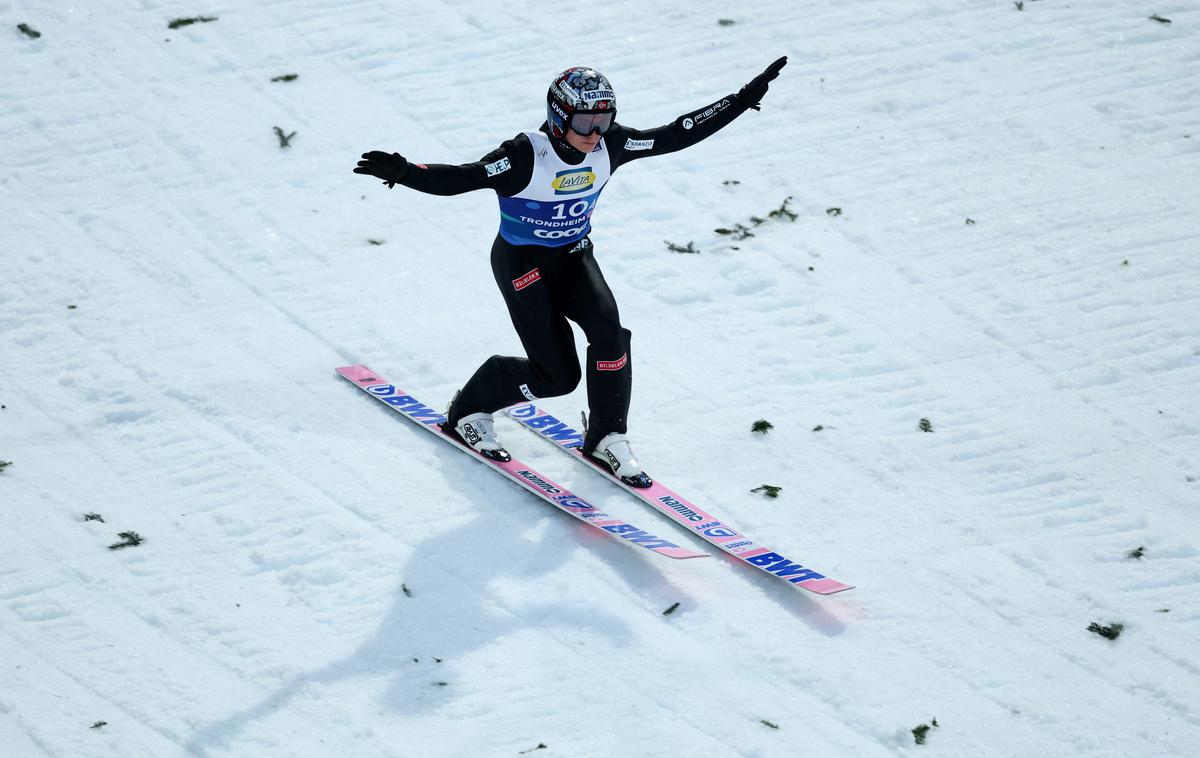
<point x="545" y="284"/>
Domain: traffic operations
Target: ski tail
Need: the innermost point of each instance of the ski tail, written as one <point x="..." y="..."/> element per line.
<point x="665" y="500"/>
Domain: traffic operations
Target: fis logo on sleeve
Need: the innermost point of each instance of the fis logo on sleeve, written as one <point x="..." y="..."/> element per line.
<point x="573" y="181"/>
<point x="638" y="144"/>
<point x="499" y="167"/>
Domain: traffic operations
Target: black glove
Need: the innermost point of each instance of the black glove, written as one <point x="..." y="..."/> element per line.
<point x="752" y="93"/>
<point x="390" y="167"/>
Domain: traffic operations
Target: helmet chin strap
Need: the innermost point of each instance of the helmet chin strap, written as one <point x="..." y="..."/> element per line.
<point x="569" y="152"/>
<point x="566" y="150"/>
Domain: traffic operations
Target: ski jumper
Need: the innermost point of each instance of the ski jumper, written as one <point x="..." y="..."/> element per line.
<point x="544" y="263"/>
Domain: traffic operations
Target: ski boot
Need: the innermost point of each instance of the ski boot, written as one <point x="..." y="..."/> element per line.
<point x="478" y="432"/>
<point x="615" y="453"/>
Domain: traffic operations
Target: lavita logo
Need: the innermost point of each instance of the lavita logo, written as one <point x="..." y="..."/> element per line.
<point x="573" y="181"/>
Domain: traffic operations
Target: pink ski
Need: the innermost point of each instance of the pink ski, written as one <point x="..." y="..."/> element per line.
<point x="674" y="505"/>
<point x="409" y="407"/>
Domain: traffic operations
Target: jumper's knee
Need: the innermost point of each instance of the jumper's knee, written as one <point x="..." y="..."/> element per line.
<point x="556" y="381"/>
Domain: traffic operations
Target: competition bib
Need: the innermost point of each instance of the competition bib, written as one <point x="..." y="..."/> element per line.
<point x="555" y="208"/>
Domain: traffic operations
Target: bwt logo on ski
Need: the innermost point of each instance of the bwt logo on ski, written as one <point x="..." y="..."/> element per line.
<point x="633" y="534"/>
<point x="409" y="406"/>
<point x="547" y="426"/>
<point x="776" y="564"/>
<point x="539" y="482"/>
<point x="680" y="508"/>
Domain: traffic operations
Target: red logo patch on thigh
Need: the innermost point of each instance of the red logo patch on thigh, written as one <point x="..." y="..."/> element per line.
<point x="616" y="365"/>
<point x="524" y="281"/>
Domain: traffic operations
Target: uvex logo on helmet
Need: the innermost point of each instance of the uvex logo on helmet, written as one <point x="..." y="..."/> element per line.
<point x="579" y="89"/>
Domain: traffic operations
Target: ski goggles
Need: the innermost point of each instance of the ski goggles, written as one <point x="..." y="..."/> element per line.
<point x="587" y="122"/>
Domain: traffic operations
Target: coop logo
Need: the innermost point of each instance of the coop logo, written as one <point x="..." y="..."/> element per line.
<point x="555" y="234"/>
<point x="776" y="564"/>
<point x="680" y="508"/>
<point x="539" y="482"/>
<point x="573" y="181"/>
<point x="616" y="365"/>
<point x="521" y="282"/>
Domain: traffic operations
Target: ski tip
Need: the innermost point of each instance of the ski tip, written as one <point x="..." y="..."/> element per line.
<point x="360" y="375"/>
<point x="680" y="553"/>
<point x="825" y="586"/>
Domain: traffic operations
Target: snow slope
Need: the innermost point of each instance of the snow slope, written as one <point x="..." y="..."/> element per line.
<point x="1014" y="260"/>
